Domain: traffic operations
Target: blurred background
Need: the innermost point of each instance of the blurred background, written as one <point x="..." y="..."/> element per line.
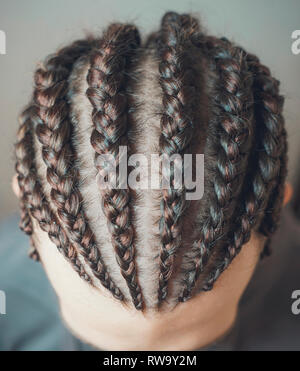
<point x="36" y="28"/>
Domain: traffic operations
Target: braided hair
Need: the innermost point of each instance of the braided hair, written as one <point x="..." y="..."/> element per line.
<point x="48" y="117"/>
<point x="266" y="180"/>
<point x="242" y="136"/>
<point x="107" y="82"/>
<point x="176" y="80"/>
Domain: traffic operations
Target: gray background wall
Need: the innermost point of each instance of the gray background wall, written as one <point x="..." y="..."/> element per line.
<point x="35" y="28"/>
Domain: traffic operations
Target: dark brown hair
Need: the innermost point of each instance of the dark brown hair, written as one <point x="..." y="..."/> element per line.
<point x="215" y="97"/>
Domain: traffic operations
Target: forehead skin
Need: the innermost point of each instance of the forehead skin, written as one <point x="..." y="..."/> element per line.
<point x="97" y="318"/>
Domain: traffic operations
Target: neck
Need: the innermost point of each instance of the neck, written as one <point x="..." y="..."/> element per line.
<point x="184" y="328"/>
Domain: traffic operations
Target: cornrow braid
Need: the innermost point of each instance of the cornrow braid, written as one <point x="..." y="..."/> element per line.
<point x="109" y="64"/>
<point x="268" y="158"/>
<point x="31" y="192"/>
<point x="177" y="83"/>
<point x="54" y="132"/>
<point x="267" y="86"/>
<point x="25" y="221"/>
<point x="232" y="115"/>
<point x="25" y="153"/>
<point x="271" y="221"/>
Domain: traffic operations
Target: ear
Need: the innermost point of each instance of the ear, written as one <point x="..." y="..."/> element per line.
<point x="15" y="185"/>
<point x="288" y="192"/>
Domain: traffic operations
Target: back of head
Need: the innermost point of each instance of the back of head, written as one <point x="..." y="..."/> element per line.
<point x="181" y="92"/>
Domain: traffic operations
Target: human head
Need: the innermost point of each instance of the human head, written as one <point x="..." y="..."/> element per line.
<point x="181" y="91"/>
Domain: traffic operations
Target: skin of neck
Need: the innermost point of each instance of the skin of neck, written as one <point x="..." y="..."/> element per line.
<point x="104" y="323"/>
